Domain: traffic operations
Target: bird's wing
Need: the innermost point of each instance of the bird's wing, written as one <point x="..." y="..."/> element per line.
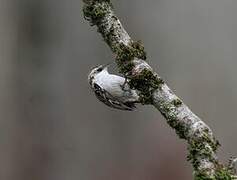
<point x="105" y="97"/>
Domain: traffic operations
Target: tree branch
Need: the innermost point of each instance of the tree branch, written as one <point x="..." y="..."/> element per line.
<point x="130" y="58"/>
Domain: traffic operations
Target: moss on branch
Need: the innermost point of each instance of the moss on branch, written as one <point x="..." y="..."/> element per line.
<point x="126" y="53"/>
<point x="202" y="146"/>
<point x="94" y="10"/>
<point x="146" y="82"/>
<point x="221" y="173"/>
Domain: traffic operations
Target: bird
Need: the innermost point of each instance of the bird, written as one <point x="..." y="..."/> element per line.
<point x="113" y="90"/>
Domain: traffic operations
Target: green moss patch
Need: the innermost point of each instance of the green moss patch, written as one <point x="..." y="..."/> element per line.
<point x="95" y="10"/>
<point x="146" y="82"/>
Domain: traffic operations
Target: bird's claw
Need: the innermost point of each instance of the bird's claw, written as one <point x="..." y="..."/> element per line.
<point x="124" y="84"/>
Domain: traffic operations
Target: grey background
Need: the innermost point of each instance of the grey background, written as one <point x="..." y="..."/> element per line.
<point x="53" y="128"/>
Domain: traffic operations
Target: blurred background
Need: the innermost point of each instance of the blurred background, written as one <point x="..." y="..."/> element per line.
<point x="53" y="128"/>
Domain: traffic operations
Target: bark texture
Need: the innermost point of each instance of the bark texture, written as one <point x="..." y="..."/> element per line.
<point x="131" y="60"/>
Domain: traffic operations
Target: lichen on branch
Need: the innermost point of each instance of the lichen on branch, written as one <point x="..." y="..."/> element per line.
<point x="131" y="61"/>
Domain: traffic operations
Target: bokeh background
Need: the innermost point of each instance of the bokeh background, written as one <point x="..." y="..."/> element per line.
<point x="53" y="128"/>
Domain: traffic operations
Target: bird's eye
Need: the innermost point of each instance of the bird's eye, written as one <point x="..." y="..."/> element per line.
<point x="99" y="69"/>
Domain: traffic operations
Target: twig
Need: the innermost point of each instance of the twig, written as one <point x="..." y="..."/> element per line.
<point x="130" y="58"/>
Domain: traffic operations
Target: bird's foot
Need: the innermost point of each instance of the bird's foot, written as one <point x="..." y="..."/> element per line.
<point x="124" y="84"/>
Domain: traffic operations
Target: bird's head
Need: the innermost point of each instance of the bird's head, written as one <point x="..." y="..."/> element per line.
<point x="97" y="70"/>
